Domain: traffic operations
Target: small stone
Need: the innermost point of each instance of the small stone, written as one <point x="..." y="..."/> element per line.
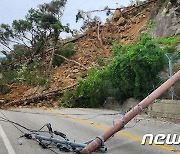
<point x="44" y="108"/>
<point x="72" y="76"/>
<point x="75" y="71"/>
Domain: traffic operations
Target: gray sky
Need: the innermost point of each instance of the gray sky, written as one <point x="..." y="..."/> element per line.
<point x="17" y="9"/>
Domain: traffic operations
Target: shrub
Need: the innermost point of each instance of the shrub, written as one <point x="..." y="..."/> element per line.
<point x="169" y="41"/>
<point x="20" y="52"/>
<point x="100" y="60"/>
<point x="135" y="70"/>
<point x="66" y="100"/>
<point x="4" y="89"/>
<point x="9" y="76"/>
<point x="92" y="91"/>
<point x="31" y="76"/>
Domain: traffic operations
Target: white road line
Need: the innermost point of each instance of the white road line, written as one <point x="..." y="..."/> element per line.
<point x="6" y="141"/>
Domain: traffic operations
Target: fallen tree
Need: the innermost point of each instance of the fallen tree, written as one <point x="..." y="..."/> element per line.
<point x="35" y="99"/>
<point x="69" y="60"/>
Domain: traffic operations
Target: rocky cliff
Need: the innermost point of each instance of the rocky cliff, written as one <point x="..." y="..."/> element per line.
<point x="166" y="18"/>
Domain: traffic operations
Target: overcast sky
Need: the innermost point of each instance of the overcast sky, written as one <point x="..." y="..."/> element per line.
<point x="17" y="9"/>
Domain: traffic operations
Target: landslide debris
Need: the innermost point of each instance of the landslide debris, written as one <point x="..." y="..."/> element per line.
<point x="125" y="27"/>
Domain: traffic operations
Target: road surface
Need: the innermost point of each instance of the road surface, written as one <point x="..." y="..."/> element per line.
<point x="82" y="125"/>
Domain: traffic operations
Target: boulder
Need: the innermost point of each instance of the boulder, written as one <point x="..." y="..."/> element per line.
<point x="34" y="91"/>
<point x="117" y="15"/>
<point x="121" y="21"/>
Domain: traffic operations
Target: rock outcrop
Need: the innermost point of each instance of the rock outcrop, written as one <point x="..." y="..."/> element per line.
<point x="167" y="20"/>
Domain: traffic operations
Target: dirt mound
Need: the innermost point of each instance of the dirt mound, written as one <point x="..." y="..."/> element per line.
<point x="124" y="27"/>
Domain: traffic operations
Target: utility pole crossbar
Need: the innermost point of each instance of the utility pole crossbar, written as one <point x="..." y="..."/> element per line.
<point x="96" y="143"/>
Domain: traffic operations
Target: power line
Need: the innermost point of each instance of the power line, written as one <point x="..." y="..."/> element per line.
<point x="7" y="120"/>
<point x="85" y="2"/>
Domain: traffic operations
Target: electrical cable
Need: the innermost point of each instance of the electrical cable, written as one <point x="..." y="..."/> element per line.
<point x="17" y="124"/>
<point x="30" y="130"/>
<point x="77" y="8"/>
<point x="9" y="120"/>
<point x="176" y="96"/>
<point x="49" y="148"/>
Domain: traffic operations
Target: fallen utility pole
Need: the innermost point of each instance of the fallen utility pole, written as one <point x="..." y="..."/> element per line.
<point x="96" y="143"/>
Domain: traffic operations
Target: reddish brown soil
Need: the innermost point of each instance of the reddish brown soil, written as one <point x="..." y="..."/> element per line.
<point x="17" y="91"/>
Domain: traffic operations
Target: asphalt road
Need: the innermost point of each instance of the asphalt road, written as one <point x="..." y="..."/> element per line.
<point x="82" y="125"/>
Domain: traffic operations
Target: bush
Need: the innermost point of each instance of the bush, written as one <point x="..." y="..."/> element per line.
<point x="20" y="52"/>
<point x="92" y="91"/>
<point x="135" y="69"/>
<point x="66" y="100"/>
<point x="4" y="89"/>
<point x="31" y="76"/>
<point x="8" y="77"/>
<point x="66" y="51"/>
<point x="100" y="60"/>
<point x="169" y="41"/>
<point x="4" y="61"/>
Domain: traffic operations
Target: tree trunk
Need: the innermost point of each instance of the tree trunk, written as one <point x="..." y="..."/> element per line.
<point x="51" y="61"/>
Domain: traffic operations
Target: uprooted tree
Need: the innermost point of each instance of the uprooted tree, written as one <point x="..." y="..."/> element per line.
<point x="41" y="28"/>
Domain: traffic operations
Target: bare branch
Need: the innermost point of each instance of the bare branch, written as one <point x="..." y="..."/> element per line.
<point x="113" y="9"/>
<point x="105" y="9"/>
<point x="71" y="61"/>
<point x="6" y="46"/>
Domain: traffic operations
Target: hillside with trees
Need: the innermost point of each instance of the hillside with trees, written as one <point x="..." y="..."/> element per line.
<point x="121" y="58"/>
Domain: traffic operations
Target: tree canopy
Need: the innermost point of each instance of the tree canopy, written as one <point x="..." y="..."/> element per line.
<point x="40" y="28"/>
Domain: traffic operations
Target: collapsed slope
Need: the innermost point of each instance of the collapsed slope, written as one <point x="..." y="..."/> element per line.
<point x="124" y="27"/>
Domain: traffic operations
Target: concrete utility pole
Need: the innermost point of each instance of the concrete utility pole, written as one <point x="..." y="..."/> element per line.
<point x="96" y="143"/>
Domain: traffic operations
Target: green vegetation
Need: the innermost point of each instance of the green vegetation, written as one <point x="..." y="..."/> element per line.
<point x="28" y="74"/>
<point x="31" y="75"/>
<point x="25" y="40"/>
<point x="132" y="73"/>
<point x="66" y="51"/>
<point x="135" y="69"/>
<point x="4" y="89"/>
<point x="150" y="25"/>
<point x="101" y="61"/>
<point x="92" y="91"/>
<point x="169" y="41"/>
<point x="40" y="28"/>
<point x="66" y="100"/>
